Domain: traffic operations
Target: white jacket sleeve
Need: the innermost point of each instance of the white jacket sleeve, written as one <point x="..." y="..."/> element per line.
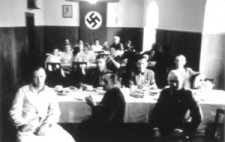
<point x="53" y="112"/>
<point x="17" y="109"/>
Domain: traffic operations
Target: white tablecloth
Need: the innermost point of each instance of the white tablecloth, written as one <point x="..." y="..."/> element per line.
<point x="138" y="110"/>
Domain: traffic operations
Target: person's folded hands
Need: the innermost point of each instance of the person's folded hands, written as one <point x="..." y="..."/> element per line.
<point x="25" y="128"/>
<point x="43" y="129"/>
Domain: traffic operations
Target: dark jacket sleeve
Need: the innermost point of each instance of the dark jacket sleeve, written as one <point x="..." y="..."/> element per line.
<point x="111" y="108"/>
<point x="157" y="110"/>
<point x="195" y="110"/>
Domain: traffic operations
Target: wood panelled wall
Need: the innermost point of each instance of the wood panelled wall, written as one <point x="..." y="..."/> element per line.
<point x="14" y="57"/>
<point x="55" y="36"/>
<point x="133" y="34"/>
<point x="178" y="42"/>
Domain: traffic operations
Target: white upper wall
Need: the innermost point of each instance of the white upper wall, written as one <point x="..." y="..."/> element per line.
<point x="181" y="15"/>
<point x="53" y="13"/>
<point x="12" y="13"/>
<point x="125" y="13"/>
<point x="214" y="21"/>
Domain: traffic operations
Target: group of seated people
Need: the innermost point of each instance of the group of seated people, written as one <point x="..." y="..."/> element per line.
<point x="35" y="111"/>
<point x="131" y="67"/>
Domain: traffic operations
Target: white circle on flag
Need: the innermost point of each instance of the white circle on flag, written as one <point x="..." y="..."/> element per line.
<point x="93" y="20"/>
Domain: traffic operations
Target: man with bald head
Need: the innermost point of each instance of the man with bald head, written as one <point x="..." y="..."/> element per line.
<point x="168" y="116"/>
<point x="35" y="112"/>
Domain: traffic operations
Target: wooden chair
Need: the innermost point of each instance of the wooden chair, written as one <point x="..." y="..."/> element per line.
<point x="53" y="67"/>
<point x="78" y="75"/>
<point x="215" y="131"/>
<point x="98" y="52"/>
<point x="78" y="65"/>
<point x="54" y="74"/>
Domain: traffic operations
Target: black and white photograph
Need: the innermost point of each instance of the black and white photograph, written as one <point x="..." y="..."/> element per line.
<point x="112" y="70"/>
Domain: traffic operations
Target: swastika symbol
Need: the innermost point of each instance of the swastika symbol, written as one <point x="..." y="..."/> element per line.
<point x="93" y="20"/>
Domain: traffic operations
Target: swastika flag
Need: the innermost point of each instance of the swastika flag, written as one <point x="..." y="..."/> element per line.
<point x="93" y="22"/>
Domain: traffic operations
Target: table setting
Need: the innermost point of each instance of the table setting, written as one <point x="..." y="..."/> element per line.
<point x="72" y="92"/>
<point x="139" y="103"/>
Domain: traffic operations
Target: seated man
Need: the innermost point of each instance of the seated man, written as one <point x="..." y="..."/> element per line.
<point x="168" y="116"/>
<point x="95" y="75"/>
<point x="85" y="56"/>
<point x="143" y="77"/>
<point x="53" y="58"/>
<point x="96" y="46"/>
<point x="35" y="112"/>
<point x="114" y="60"/>
<point x="188" y="74"/>
<point x="66" y="56"/>
<point x="110" y="111"/>
<point x="66" y="59"/>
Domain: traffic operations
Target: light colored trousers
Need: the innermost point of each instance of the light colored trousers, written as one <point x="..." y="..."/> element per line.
<point x="55" y="134"/>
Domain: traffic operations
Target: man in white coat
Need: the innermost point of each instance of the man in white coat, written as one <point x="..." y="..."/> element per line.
<point x="35" y="112"/>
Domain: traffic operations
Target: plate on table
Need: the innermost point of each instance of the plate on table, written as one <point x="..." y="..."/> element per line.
<point x="58" y="88"/>
<point x="73" y="88"/>
<point x="87" y="87"/>
<point x="65" y="92"/>
<point x="79" y="97"/>
<point x="137" y="93"/>
<point x="100" y="92"/>
<point x="154" y="91"/>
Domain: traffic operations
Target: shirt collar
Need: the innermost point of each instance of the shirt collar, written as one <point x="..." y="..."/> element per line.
<point x="33" y="90"/>
<point x="141" y="73"/>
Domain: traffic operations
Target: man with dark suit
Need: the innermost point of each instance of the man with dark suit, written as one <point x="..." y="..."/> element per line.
<point x="111" y="109"/>
<point x="95" y="76"/>
<point x="107" y="115"/>
<point x="168" y="116"/>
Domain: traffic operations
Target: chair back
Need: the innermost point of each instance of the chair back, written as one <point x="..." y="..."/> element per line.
<point x="54" y="76"/>
<point x="79" y="65"/>
<point x="220" y="116"/>
<point x="52" y="67"/>
<point x="215" y="131"/>
<point x="219" y="124"/>
<point x="98" y="52"/>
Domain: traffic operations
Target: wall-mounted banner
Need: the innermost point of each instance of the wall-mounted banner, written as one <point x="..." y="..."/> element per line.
<point x="93" y="22"/>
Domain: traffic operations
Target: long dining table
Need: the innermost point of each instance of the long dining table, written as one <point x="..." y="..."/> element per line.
<point x="74" y="108"/>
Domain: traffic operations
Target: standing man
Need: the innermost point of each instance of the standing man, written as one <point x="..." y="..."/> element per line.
<point x="35" y="112"/>
<point x="117" y="44"/>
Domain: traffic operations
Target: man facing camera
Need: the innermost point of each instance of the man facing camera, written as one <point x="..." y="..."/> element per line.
<point x="143" y="77"/>
<point x="95" y="76"/>
<point x="169" y="115"/>
<point x="35" y="112"/>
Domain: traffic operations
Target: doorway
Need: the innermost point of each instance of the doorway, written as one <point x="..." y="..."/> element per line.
<point x="30" y="32"/>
